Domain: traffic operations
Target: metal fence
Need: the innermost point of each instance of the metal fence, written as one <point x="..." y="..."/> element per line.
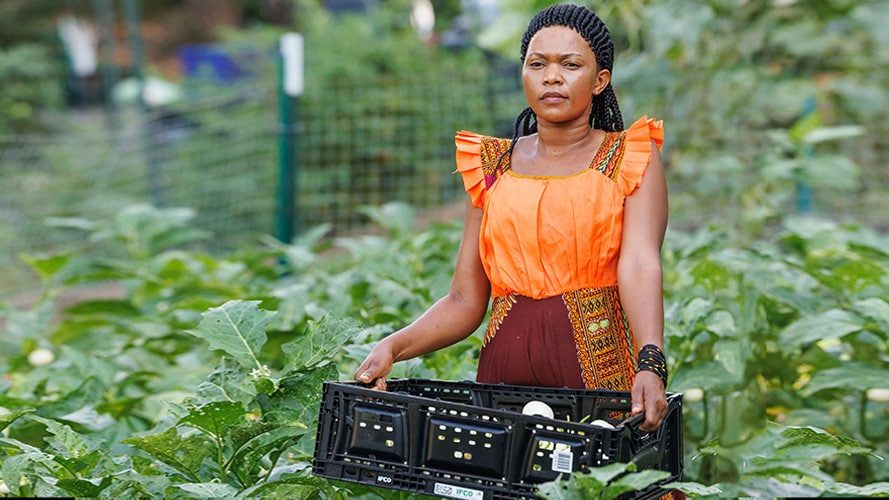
<point x="217" y="153"/>
<point x="364" y="143"/>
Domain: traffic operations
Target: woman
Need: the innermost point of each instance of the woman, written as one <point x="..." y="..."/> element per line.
<point x="563" y="230"/>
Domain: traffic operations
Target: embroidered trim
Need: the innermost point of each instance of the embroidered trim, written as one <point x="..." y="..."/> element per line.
<point x="609" y="157"/>
<point x="492" y="148"/>
<point x="499" y="309"/>
<point x="604" y="342"/>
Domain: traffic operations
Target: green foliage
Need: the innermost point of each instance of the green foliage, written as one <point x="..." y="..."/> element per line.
<point x="29" y="74"/>
<point x="202" y="378"/>
<point x="604" y="483"/>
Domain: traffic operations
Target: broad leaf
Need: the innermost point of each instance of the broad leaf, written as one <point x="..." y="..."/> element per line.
<point x="89" y="488"/>
<point x="228" y="382"/>
<point x="293" y="489"/>
<point x="67" y="443"/>
<point x="208" y="490"/>
<point x="276" y="439"/>
<point x="693" y="489"/>
<point x="11" y="416"/>
<point x="185" y="453"/>
<point x="298" y="397"/>
<point x="236" y="327"/>
<point x="850" y="376"/>
<point x="16" y="467"/>
<point x="880" y="489"/>
<point x="322" y="340"/>
<point x="707" y="376"/>
<point x="635" y="481"/>
<point x="832" y="324"/>
<point x="215" y="417"/>
<point x="732" y="355"/>
<point x="46" y="267"/>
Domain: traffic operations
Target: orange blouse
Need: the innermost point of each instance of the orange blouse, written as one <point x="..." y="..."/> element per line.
<point x="542" y="236"/>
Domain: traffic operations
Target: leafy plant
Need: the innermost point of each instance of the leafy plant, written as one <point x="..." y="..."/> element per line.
<point x="28" y="74"/>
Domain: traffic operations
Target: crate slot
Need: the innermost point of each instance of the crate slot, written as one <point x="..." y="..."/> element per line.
<point x="550" y="454"/>
<point x="463" y="445"/>
<point x="378" y="433"/>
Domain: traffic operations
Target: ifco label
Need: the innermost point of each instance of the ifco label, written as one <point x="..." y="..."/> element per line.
<point x="452" y="491"/>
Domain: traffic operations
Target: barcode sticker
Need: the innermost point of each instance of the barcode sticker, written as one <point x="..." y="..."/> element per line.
<point x="563" y="461"/>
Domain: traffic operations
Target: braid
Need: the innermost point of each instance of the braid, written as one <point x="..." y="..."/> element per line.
<point x="605" y="112"/>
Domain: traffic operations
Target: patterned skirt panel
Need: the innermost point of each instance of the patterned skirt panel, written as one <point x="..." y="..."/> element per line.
<point x="579" y="339"/>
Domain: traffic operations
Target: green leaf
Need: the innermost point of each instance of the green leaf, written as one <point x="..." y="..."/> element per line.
<point x="183" y="451"/>
<point x="298" y="397"/>
<point x="65" y="440"/>
<point x="708" y="376"/>
<point x="11" y="416"/>
<point x="89" y="488"/>
<point x="308" y="488"/>
<point x="634" y="481"/>
<point x="600" y="476"/>
<point x="693" y="489"/>
<point x="228" y="382"/>
<point x="208" y="490"/>
<point x="16" y="467"/>
<point x="807" y="437"/>
<point x="321" y="341"/>
<point x="272" y="440"/>
<point x="832" y="324"/>
<point x="236" y="327"/>
<point x="822" y="134"/>
<point x="875" y="309"/>
<point x="397" y="217"/>
<point x="850" y="376"/>
<point x="880" y="489"/>
<point x="775" y="488"/>
<point x="215" y="417"/>
<point x="722" y="323"/>
<point x="733" y="356"/>
<point x="46" y="266"/>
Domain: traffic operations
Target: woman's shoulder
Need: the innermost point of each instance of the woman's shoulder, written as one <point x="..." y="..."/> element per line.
<point x="645" y="130"/>
<point x="478" y="143"/>
<point x="486" y="152"/>
<point x="638" y="143"/>
<point x="480" y="160"/>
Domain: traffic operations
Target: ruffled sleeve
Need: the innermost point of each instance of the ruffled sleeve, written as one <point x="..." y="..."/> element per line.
<point x="469" y="165"/>
<point x="637" y="154"/>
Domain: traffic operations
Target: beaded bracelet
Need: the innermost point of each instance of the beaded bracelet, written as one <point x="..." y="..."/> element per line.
<point x="651" y="358"/>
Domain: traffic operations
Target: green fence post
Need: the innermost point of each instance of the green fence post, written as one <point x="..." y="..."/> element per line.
<point x="132" y="10"/>
<point x="805" y="197"/>
<point x="290" y="87"/>
<point x="107" y="53"/>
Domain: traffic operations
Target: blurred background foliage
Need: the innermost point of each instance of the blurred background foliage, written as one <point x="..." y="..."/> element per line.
<point x="776" y="266"/>
<point x="770" y="106"/>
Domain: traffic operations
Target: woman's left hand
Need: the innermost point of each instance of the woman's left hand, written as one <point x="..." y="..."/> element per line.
<point x="650" y="397"/>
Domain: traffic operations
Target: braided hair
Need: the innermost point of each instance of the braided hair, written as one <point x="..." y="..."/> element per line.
<point x="605" y="113"/>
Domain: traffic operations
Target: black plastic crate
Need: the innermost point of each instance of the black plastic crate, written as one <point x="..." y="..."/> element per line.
<point x="470" y="440"/>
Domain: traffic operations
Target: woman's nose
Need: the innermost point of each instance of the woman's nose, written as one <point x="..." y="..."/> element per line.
<point x="552" y="74"/>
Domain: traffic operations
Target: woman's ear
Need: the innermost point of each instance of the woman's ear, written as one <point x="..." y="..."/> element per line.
<point x="603" y="78"/>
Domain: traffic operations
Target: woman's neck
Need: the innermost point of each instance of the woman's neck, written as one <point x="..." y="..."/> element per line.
<point x="556" y="141"/>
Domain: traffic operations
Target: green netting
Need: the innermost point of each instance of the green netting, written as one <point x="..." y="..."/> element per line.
<point x="358" y="143"/>
<point x="365" y="143"/>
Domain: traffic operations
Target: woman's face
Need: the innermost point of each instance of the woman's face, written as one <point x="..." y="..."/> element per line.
<point x="560" y="75"/>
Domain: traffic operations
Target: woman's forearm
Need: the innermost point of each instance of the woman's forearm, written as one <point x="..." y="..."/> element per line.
<point x="641" y="293"/>
<point x="447" y="322"/>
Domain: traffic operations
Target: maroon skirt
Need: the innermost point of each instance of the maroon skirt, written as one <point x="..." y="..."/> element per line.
<point x="579" y="339"/>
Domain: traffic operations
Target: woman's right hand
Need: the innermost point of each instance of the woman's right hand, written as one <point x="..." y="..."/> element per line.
<point x="376" y="366"/>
